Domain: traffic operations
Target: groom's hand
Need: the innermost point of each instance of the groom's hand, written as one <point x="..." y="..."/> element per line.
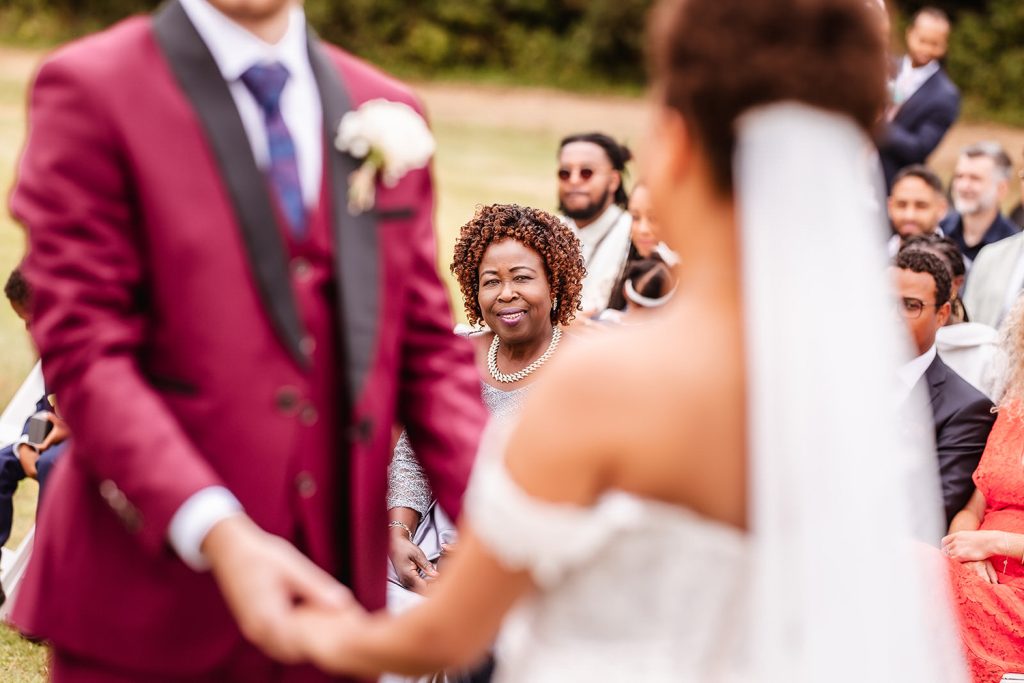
<point x="263" y="578"/>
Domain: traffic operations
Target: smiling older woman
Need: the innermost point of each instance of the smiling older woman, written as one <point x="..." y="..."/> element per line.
<point x="521" y="272"/>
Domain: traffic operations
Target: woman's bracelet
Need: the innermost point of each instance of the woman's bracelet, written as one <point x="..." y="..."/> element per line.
<point x="395" y="522"/>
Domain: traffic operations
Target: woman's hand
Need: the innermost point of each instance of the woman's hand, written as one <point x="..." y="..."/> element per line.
<point x="408" y="560"/>
<point x="984" y="569"/>
<point x="974" y="546"/>
<point x="327" y="638"/>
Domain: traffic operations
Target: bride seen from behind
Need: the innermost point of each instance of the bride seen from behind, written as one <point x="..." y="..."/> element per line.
<point x="643" y="549"/>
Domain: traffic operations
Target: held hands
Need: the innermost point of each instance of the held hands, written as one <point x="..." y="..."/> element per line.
<point x="263" y="579"/>
<point x="329" y="638"/>
<point x="973" y="546"/>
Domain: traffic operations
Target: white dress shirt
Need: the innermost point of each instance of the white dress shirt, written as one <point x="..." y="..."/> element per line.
<point x="912" y="371"/>
<point x="235" y="49"/>
<point x="910" y="79"/>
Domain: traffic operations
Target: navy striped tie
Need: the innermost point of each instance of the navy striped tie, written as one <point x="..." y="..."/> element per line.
<point x="266" y="82"/>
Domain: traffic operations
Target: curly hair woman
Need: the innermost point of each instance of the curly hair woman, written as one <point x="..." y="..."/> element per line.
<point x="521" y="273"/>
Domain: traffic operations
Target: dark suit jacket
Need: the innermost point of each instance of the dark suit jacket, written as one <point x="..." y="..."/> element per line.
<point x="953" y="227"/>
<point x="919" y="125"/>
<point x="963" y="418"/>
<point x="161" y="274"/>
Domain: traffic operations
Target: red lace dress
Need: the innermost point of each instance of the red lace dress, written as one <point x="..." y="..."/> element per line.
<point x="992" y="615"/>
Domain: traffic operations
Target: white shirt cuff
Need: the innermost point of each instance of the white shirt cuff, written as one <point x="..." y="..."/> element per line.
<point x="195" y="518"/>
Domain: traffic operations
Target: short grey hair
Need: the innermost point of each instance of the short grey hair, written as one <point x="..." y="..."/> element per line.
<point x="994" y="151"/>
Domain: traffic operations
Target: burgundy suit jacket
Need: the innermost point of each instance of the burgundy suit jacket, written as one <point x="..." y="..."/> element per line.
<point x="169" y="331"/>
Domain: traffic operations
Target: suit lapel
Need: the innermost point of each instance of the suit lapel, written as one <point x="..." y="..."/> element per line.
<point x="920" y="98"/>
<point x="355" y="236"/>
<point x="935" y="375"/>
<point x="201" y="81"/>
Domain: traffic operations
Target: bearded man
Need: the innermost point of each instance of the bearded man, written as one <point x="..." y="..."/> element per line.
<point x="980" y="183"/>
<point x="593" y="200"/>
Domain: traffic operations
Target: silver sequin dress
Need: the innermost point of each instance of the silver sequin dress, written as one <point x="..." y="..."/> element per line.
<point x="407" y="484"/>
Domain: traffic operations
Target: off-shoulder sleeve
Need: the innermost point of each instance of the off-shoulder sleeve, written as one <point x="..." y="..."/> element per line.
<point x="545" y="538"/>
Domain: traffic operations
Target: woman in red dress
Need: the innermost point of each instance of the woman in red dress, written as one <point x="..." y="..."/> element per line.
<point x="985" y="544"/>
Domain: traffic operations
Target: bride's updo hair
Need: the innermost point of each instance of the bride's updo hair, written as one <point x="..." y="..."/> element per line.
<point x="714" y="59"/>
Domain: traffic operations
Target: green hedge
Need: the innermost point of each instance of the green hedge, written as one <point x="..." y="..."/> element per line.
<point x="986" y="59"/>
<point x="580" y="44"/>
<point x="565" y="43"/>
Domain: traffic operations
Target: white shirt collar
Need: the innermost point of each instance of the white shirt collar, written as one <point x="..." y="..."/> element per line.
<point x="912" y="372"/>
<point x="920" y="73"/>
<point x="235" y="49"/>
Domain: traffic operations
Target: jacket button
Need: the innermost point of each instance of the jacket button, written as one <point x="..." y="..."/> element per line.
<point x="307" y="345"/>
<point x="361" y="430"/>
<point x="305" y="484"/>
<point x="308" y="415"/>
<point x="287" y="400"/>
<point x="301" y="270"/>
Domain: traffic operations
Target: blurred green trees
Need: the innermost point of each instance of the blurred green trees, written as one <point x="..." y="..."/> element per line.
<point x="567" y="43"/>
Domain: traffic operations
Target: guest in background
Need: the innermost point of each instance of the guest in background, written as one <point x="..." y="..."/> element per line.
<point x="980" y="183"/>
<point x="985" y="544"/>
<point x="645" y="243"/>
<point x="1017" y="214"/>
<point x="971" y="349"/>
<point x="961" y="414"/>
<point x="26" y="458"/>
<point x="917" y="203"/>
<point x="647" y="286"/>
<point x="925" y="103"/>
<point x="645" y="235"/>
<point x="593" y="199"/>
<point x="521" y="275"/>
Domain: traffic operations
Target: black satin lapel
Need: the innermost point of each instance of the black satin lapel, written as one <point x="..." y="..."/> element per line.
<point x="202" y="83"/>
<point x="355" y="236"/>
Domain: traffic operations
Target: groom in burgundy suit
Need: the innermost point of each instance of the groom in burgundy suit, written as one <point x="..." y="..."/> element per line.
<point x="230" y="343"/>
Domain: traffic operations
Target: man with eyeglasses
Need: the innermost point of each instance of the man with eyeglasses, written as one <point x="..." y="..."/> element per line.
<point x="962" y="415"/>
<point x="593" y="200"/>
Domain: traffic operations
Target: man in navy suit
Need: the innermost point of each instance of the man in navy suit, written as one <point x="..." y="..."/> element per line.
<point x="925" y="102"/>
<point x="962" y="415"/>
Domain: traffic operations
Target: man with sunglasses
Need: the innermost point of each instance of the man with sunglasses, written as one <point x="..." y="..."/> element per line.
<point x="962" y="415"/>
<point x="593" y="200"/>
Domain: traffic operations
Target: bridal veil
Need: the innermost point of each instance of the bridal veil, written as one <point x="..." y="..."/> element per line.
<point x="841" y="590"/>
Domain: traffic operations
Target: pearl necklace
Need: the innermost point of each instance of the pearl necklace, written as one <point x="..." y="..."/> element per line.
<point x="492" y="359"/>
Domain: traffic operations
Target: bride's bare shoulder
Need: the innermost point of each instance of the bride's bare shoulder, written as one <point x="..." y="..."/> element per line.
<point x="651" y="389"/>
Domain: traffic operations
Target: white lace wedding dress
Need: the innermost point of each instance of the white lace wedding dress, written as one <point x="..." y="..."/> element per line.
<point x="630" y="589"/>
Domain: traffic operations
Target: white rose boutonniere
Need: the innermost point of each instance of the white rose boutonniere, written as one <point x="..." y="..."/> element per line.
<point x="390" y="138"/>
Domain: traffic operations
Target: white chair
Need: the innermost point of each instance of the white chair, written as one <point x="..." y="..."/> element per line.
<point x="12" y="420"/>
<point x="21" y="407"/>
